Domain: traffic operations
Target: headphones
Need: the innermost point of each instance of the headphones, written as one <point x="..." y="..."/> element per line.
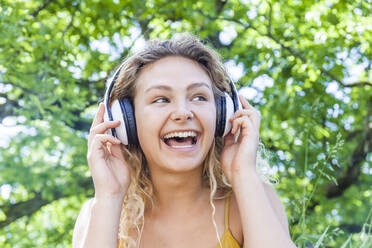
<point x="122" y="110"/>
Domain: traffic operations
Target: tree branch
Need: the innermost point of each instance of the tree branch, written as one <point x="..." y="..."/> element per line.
<point x="351" y="175"/>
<point x="29" y="91"/>
<point x="298" y="55"/>
<point x="32" y="205"/>
<point x="351" y="228"/>
<point x="220" y="4"/>
<point x="20" y="209"/>
<point x="36" y="12"/>
<point x="359" y="154"/>
<point x="357" y="84"/>
<point x="9" y="107"/>
<point x="69" y="25"/>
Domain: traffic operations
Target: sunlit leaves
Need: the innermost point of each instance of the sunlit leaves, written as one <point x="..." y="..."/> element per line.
<point x="295" y="57"/>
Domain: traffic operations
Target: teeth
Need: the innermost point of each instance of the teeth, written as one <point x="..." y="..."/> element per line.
<point x="180" y="134"/>
<point x="188" y="146"/>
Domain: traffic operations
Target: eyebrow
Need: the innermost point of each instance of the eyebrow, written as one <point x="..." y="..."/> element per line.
<point x="197" y="85"/>
<point x="168" y="88"/>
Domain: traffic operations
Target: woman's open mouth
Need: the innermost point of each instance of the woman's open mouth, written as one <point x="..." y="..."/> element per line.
<point x="179" y="140"/>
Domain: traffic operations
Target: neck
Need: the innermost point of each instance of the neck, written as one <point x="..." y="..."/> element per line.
<point x="175" y="192"/>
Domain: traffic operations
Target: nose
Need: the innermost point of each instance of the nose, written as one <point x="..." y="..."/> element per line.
<point x="182" y="113"/>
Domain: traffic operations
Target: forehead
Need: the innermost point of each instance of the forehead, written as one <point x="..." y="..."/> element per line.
<point x="173" y="71"/>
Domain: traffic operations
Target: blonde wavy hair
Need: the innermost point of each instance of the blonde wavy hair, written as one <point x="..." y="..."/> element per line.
<point x="140" y="194"/>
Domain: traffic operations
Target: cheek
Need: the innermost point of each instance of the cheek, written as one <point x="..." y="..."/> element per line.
<point x="148" y="126"/>
<point x="208" y="118"/>
<point x="147" y="139"/>
<point x="142" y="126"/>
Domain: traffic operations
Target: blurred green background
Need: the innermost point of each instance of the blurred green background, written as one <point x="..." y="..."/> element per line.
<point x="306" y="65"/>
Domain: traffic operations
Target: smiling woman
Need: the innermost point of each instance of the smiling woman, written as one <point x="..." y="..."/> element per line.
<point x="181" y="169"/>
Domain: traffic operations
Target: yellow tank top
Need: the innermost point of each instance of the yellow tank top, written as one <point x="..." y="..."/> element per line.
<point x="227" y="239"/>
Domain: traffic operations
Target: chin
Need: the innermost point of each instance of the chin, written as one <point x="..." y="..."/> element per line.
<point x="179" y="165"/>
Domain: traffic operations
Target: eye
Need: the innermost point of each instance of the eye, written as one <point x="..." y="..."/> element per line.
<point x="199" y="98"/>
<point x="161" y="100"/>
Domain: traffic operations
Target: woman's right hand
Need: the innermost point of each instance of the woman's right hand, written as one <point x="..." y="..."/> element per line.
<point x="110" y="171"/>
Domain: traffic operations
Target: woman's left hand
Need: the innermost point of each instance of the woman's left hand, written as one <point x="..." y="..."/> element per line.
<point x="240" y="157"/>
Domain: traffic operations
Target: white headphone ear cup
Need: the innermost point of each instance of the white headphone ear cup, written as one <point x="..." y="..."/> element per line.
<point x="117" y="115"/>
<point x="229" y="113"/>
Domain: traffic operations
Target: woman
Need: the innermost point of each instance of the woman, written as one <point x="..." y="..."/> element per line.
<point x="181" y="185"/>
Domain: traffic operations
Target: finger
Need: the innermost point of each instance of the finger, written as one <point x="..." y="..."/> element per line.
<point x="101" y="129"/>
<point x="244" y="102"/>
<point x="113" y="149"/>
<point x="245" y="112"/>
<point x="100" y="145"/>
<point x="104" y="126"/>
<point x="252" y="114"/>
<point x="100" y="142"/>
<point x="103" y="138"/>
<point x="98" y="118"/>
<point x="244" y="122"/>
<point x="236" y="123"/>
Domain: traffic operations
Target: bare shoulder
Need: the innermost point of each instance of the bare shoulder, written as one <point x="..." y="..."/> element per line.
<point x="277" y="206"/>
<point x="81" y="224"/>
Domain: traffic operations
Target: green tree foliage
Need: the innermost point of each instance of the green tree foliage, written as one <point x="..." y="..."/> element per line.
<point x="306" y="65"/>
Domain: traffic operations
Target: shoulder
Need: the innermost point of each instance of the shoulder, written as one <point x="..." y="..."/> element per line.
<point x="81" y="223"/>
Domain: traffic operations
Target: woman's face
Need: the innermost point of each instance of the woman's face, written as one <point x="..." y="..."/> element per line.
<point x="175" y="114"/>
